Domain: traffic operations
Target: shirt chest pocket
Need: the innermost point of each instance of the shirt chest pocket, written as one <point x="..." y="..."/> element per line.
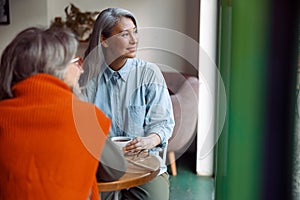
<point x="136" y="118"/>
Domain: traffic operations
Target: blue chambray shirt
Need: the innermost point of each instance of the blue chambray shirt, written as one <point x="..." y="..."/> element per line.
<point x="135" y="98"/>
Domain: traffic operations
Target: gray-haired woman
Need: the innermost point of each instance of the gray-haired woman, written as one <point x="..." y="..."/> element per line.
<point x="132" y="92"/>
<point x="47" y="143"/>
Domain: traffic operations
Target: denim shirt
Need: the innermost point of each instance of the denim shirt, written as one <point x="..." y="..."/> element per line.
<point x="135" y="98"/>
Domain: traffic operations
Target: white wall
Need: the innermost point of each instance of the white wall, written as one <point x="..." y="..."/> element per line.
<point x="208" y="74"/>
<point x="181" y="16"/>
<point x="23" y="13"/>
<point x="177" y="15"/>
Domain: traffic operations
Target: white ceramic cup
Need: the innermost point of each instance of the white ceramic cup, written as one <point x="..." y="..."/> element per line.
<point x="121" y="141"/>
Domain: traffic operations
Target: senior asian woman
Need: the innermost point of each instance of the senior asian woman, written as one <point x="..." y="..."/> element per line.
<point x="131" y="91"/>
<point x="50" y="141"/>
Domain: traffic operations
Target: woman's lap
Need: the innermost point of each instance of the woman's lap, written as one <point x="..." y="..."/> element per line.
<point x="158" y="188"/>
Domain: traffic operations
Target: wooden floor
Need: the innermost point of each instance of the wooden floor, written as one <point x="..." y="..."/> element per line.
<point x="187" y="185"/>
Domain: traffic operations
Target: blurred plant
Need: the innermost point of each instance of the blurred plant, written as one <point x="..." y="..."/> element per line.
<point x="81" y="23"/>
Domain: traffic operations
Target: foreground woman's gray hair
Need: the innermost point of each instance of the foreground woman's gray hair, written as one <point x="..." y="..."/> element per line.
<point x="35" y="50"/>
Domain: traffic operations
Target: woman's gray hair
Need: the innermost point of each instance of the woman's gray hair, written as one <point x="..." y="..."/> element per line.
<point x="94" y="57"/>
<point x="35" y="50"/>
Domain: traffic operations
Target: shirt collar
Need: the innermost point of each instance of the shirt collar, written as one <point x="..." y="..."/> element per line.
<point x="124" y="71"/>
<point x="107" y="72"/>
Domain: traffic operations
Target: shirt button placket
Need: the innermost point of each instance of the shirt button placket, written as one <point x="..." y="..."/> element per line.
<point x="116" y="77"/>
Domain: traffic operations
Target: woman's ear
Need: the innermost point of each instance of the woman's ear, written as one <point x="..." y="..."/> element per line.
<point x="103" y="41"/>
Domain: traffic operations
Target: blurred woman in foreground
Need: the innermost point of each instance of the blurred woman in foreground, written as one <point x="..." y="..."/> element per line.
<point x="50" y="141"/>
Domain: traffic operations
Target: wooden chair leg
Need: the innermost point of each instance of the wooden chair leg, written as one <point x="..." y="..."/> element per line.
<point x="172" y="160"/>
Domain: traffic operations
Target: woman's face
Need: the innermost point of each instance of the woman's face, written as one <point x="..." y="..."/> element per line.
<point x="123" y="40"/>
<point x="73" y="72"/>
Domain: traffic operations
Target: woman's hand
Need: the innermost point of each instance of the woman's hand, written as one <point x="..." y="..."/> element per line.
<point x="143" y="143"/>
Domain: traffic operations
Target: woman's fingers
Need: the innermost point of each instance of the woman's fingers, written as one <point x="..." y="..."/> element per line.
<point x="135" y="145"/>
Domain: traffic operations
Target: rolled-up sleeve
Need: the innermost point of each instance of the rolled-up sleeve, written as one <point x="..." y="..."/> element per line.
<point x="159" y="112"/>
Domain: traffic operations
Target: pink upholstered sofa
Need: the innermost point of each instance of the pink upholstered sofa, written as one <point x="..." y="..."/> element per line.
<point x="184" y="95"/>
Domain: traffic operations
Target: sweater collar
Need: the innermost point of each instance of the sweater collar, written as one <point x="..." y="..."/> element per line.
<point x="39" y="83"/>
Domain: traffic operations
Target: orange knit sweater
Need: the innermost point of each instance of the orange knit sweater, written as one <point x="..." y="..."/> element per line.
<point x="50" y="142"/>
